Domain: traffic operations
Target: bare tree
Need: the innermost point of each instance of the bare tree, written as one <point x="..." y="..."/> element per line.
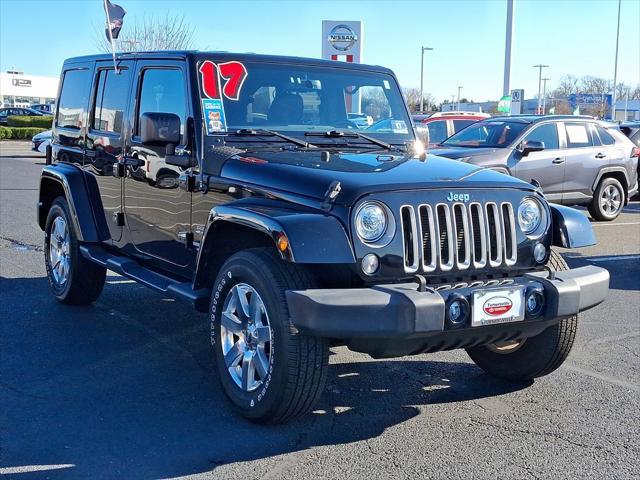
<point x="412" y="96"/>
<point x="154" y="32"/>
<point x="568" y="85"/>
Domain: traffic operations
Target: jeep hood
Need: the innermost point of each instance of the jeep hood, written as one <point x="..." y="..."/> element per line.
<point x="307" y="174"/>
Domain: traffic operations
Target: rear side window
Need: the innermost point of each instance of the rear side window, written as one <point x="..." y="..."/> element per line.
<point x="163" y="90"/>
<point x="605" y="137"/>
<point x="437" y="131"/>
<point x="578" y="135"/>
<point x="547" y="134"/>
<point x="74" y="98"/>
<point x="110" y="101"/>
<point x="460" y="124"/>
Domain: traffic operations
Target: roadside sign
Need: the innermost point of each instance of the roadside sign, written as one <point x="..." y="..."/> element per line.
<point x="517" y="97"/>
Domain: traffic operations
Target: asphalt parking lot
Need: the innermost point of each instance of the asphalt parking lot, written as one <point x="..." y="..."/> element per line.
<point x="125" y="388"/>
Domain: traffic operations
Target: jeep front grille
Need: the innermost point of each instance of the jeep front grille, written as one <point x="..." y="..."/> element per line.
<point x="458" y="237"/>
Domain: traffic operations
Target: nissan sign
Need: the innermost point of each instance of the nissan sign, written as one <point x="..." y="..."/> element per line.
<point x="342" y="40"/>
<point x="342" y="37"/>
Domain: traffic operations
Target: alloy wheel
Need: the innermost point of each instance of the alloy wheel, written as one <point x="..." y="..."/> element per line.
<point x="610" y="200"/>
<point x="245" y="337"/>
<point x="59" y="251"/>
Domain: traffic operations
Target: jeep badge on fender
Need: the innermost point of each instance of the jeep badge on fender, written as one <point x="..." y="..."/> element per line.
<point x="247" y="186"/>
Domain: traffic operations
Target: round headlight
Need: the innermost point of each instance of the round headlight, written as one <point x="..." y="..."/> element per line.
<point x="371" y="222"/>
<point x="529" y="215"/>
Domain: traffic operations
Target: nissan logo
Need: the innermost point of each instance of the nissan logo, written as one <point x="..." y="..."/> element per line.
<point x="342" y="38"/>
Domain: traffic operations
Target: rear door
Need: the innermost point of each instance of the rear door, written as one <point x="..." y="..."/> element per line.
<point x="106" y="137"/>
<point x="585" y="157"/>
<point x="547" y="167"/>
<point x="438" y="131"/>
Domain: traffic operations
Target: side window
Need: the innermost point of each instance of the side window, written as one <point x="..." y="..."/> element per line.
<point x="437" y="131"/>
<point x="547" y="134"/>
<point x="578" y="135"/>
<point x="163" y="90"/>
<point x="460" y="124"/>
<point x="110" y="101"/>
<point x="605" y="137"/>
<point x="74" y="98"/>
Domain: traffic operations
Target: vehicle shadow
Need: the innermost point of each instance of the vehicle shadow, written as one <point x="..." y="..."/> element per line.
<point x="624" y="270"/>
<point x="126" y="389"/>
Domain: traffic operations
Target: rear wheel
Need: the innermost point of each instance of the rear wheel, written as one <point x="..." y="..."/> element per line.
<point x="608" y="200"/>
<point x="73" y="279"/>
<point x="269" y="370"/>
<point x="532" y="357"/>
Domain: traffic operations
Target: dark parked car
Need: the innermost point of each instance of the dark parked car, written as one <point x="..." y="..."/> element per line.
<point x="46" y="108"/>
<point x="11" y="111"/>
<point x="296" y="230"/>
<point x="576" y="160"/>
<point x="632" y="131"/>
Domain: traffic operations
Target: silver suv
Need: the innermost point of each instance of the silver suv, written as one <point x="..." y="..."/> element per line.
<point x="576" y="160"/>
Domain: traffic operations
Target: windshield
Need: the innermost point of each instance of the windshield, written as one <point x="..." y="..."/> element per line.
<point x="495" y="134"/>
<point x="299" y="99"/>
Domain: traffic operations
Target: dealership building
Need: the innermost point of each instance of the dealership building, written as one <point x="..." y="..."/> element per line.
<point x="21" y="90"/>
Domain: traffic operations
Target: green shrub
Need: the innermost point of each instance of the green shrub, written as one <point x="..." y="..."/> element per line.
<point x="44" y="121"/>
<point x="19" y="133"/>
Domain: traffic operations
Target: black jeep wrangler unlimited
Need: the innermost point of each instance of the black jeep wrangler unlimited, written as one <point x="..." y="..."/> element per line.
<point x="242" y="184"/>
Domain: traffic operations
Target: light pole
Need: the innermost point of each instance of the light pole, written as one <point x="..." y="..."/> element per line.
<point x="544" y="96"/>
<point x="422" y="78"/>
<point x="626" y="103"/>
<point x="539" y="67"/>
<point x="615" y="67"/>
<point x="507" y="49"/>
<point x="459" y="88"/>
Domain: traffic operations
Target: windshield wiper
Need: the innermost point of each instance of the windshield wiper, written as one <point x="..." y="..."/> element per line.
<point x="339" y="134"/>
<point x="272" y="133"/>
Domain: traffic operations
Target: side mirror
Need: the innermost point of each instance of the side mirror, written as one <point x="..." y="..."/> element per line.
<point x="529" y="146"/>
<point x="159" y="128"/>
<point x="422" y="133"/>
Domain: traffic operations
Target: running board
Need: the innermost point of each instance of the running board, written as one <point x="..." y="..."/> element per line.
<point x="128" y="267"/>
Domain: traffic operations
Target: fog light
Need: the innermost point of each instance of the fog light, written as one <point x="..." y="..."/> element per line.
<point x="534" y="300"/>
<point x="539" y="252"/>
<point x="457" y="310"/>
<point x="370" y="263"/>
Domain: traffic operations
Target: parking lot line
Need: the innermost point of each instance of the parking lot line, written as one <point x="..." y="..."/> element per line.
<point x="613" y="258"/>
<point x="614" y="224"/>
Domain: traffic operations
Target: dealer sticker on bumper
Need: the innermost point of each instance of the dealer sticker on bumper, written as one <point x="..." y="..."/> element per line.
<point x="497" y="306"/>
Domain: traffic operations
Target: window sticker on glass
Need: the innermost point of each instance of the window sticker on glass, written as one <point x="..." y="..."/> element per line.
<point x="211" y="75"/>
<point x="386" y="84"/>
<point x="399" y="126"/>
<point x="577" y="134"/>
<point x="214" y="118"/>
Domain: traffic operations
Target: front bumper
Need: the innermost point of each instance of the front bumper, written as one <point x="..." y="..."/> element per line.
<point x="392" y="320"/>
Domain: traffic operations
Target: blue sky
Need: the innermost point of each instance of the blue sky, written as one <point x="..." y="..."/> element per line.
<point x="573" y="37"/>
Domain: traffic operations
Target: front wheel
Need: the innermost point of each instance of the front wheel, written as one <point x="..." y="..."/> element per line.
<point x="528" y="358"/>
<point x="269" y="370"/>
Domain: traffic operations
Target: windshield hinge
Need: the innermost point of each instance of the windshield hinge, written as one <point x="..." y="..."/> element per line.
<point x="331" y="194"/>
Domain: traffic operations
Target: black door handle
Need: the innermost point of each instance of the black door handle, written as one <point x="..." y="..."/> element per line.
<point x="558" y="161"/>
<point x="600" y="155"/>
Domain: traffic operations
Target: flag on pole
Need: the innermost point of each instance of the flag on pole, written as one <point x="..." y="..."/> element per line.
<point x="504" y="104"/>
<point x="115" y="16"/>
<point x="577" y="110"/>
<point x="552" y="111"/>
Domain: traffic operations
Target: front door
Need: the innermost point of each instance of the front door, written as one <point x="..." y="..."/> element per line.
<point x="157" y="209"/>
<point x="547" y="167"/>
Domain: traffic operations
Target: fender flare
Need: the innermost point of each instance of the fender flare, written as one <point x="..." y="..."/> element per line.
<point x="606" y="170"/>
<point x="313" y="237"/>
<point x="570" y="228"/>
<point x="81" y="200"/>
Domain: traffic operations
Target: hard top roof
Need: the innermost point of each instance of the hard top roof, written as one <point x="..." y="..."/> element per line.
<point x="539" y="118"/>
<point x="246" y="57"/>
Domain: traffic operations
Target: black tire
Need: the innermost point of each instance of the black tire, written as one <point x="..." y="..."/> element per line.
<point x="85" y="279"/>
<point x="600" y="212"/>
<point x="536" y="356"/>
<point x="298" y="363"/>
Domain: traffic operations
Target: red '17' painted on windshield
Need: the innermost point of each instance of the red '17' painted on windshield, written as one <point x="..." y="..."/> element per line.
<point x="233" y="73"/>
